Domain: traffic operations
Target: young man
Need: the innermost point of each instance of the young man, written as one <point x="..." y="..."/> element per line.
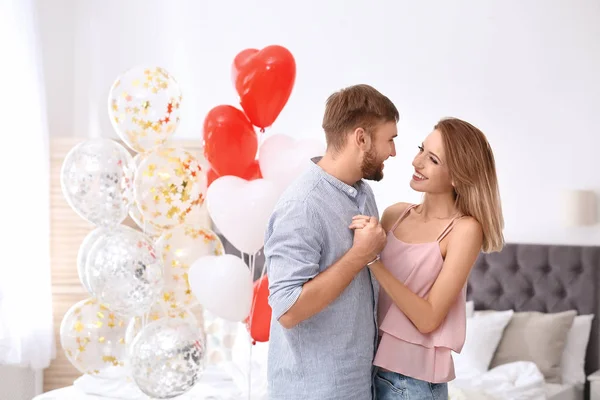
<point x="324" y="301"/>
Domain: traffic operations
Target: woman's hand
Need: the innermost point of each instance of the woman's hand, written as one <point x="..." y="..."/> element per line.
<point x="359" y="221"/>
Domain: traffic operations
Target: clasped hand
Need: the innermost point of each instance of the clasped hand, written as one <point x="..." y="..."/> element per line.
<point x="369" y="235"/>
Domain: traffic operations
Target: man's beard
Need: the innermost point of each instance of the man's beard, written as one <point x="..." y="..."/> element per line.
<point x="372" y="169"/>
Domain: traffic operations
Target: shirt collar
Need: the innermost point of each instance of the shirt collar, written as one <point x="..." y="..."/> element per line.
<point x="351" y="191"/>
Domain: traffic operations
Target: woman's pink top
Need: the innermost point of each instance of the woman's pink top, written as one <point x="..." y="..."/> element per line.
<point x="402" y="348"/>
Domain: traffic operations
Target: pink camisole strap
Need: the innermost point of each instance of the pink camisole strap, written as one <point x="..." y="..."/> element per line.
<point x="401" y="217"/>
<point x="448" y="228"/>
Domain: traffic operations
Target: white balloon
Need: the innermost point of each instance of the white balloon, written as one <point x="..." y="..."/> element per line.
<point x="283" y="158"/>
<point x="241" y="209"/>
<point x="223" y="285"/>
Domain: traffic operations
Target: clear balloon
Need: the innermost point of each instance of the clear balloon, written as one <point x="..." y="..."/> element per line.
<point x="167" y="358"/>
<point x="97" y="181"/>
<point x="124" y="271"/>
<point x="179" y="248"/>
<point x="82" y="255"/>
<point x="220" y="338"/>
<point x="135" y="213"/>
<point x="144" y="107"/>
<point x="169" y="183"/>
<point x="156" y="313"/>
<point x="93" y="339"/>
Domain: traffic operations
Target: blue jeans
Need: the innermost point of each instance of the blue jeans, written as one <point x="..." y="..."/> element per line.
<point x="393" y="386"/>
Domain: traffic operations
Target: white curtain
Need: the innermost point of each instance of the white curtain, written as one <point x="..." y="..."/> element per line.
<point x="26" y="328"/>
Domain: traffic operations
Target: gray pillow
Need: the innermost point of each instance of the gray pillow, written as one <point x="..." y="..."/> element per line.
<point x="537" y="337"/>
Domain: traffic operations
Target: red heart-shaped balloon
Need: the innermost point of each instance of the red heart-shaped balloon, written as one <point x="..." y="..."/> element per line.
<point x="230" y="142"/>
<point x="264" y="81"/>
<point x="238" y="62"/>
<point x="253" y="172"/>
<point x="258" y="322"/>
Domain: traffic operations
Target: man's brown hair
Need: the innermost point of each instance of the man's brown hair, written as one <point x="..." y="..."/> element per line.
<point x="358" y="106"/>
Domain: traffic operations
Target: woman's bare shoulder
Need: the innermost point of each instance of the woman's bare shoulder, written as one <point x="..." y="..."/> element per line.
<point x="392" y="213"/>
<point x="467" y="229"/>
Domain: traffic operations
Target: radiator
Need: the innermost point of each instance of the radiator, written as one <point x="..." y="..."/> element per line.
<point x="18" y="383"/>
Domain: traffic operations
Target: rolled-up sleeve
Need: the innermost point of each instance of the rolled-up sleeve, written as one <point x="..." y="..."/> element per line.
<point x="292" y="251"/>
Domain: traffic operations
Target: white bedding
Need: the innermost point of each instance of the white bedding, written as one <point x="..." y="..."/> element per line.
<point x="516" y="381"/>
<point x="215" y="384"/>
<point x="556" y="391"/>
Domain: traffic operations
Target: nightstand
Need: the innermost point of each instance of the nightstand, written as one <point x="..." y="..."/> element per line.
<point x="594" y="380"/>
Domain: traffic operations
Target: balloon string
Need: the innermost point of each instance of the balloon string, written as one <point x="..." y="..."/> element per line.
<point x="252" y="262"/>
<point x="250" y="369"/>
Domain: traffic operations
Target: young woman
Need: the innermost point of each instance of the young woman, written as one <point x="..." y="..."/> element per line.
<point x="431" y="248"/>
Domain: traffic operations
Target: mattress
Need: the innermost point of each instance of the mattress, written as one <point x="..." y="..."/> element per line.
<point x="555" y="391"/>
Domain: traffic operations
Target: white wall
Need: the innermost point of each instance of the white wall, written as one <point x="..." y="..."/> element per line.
<point x="527" y="72"/>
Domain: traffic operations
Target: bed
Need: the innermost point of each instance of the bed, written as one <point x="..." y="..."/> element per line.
<point x="539" y="286"/>
<point x="542" y="286"/>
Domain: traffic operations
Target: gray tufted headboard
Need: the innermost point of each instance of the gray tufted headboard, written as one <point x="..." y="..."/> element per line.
<point x="546" y="278"/>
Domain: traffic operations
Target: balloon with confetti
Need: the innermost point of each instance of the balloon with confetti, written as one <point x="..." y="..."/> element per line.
<point x="144" y="107"/>
<point x="82" y="255"/>
<point x="179" y="248"/>
<point x="93" y="339"/>
<point x="168" y="184"/>
<point x="134" y="211"/>
<point x="97" y="181"/>
<point x="146" y="227"/>
<point x="159" y="312"/>
<point x="124" y="271"/>
<point x="167" y="358"/>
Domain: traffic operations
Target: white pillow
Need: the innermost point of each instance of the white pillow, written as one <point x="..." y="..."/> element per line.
<point x="573" y="358"/>
<point x="470" y="305"/>
<point x="484" y="332"/>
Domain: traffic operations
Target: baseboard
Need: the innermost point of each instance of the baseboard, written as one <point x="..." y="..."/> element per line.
<point x="17" y="383"/>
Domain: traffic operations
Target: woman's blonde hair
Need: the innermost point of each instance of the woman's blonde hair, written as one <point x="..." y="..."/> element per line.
<point x="473" y="171"/>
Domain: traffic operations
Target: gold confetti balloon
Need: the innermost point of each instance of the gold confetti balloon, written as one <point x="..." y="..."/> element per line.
<point x="179" y="248"/>
<point x="169" y="184"/>
<point x="124" y="272"/>
<point x="158" y="312"/>
<point x="144" y="107"/>
<point x="93" y="339"/>
<point x="167" y="358"/>
<point x="135" y="213"/>
<point x="97" y="181"/>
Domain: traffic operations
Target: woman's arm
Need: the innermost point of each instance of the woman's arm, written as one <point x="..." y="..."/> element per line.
<point x="464" y="245"/>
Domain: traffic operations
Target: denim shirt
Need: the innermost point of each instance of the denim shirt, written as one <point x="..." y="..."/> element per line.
<point x="330" y="355"/>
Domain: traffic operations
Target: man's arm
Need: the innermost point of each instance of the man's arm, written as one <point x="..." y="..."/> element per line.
<point x="319" y="292"/>
<point x="293" y="251"/>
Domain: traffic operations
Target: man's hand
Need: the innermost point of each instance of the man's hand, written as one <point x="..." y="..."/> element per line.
<point x="369" y="236"/>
